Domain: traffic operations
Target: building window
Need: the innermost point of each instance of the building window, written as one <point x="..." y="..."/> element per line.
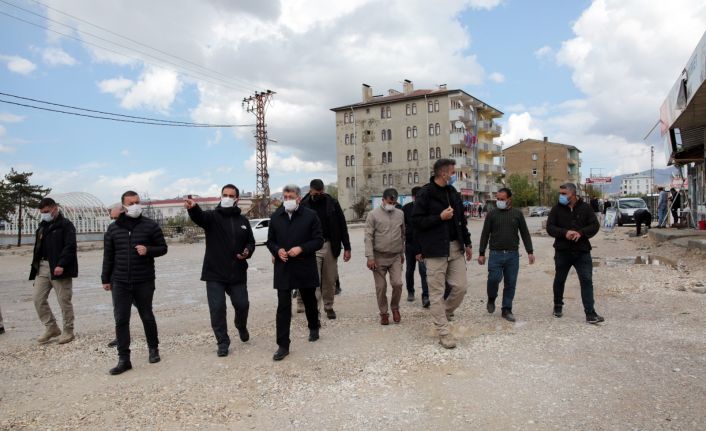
<point x="415" y="155"/>
<point x="348" y="182"/>
<point x="353" y="182"/>
<point x="382" y="112"/>
<point x="416" y="178"/>
<point x="409" y="155"/>
<point x="389" y="180"/>
<point x="389" y="134"/>
<point x="414" y="131"/>
<point x="389" y="157"/>
<point x="414" y="109"/>
<point x="388" y="112"/>
<point x="408" y="109"/>
<point x="345" y="118"/>
<point x="534" y="172"/>
<point x="352" y="139"/>
<point x="409" y="132"/>
<point x="436" y="106"/>
<point x="534" y="156"/>
<point x="431" y="153"/>
<point x="437" y="129"/>
<point x="409" y="178"/>
<point x="383" y="135"/>
<point x="384" y="157"/>
<point x="352" y="160"/>
<point x="348" y="161"/>
<point x="430" y="106"/>
<point x="384" y="179"/>
<point x="431" y="129"/>
<point x="438" y="152"/>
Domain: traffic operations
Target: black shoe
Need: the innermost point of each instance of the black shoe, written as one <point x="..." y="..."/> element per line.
<point x="123" y="365"/>
<point x="280" y="354"/>
<point x="490" y="306"/>
<point x="2" y="329"/>
<point x="154" y="355"/>
<point x="331" y="314"/>
<point x="425" y="302"/>
<point x="507" y="315"/>
<point x="410" y="297"/>
<point x="313" y="335"/>
<point x="113" y="343"/>
<point x="294" y="293"/>
<point x="594" y="318"/>
<point x="222" y="351"/>
<point x="338" y="290"/>
<point x="558" y="311"/>
<point x="244" y="334"/>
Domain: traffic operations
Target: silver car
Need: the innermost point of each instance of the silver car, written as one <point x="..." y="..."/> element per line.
<point x="626" y="209"/>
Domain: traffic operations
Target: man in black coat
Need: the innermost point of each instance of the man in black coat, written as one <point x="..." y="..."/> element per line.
<point x="335" y="231"/>
<point x="413" y="254"/>
<point x="293" y="238"/>
<point x="54" y="265"/>
<point x="572" y="222"/>
<point x="130" y="245"/>
<point x="229" y="243"/>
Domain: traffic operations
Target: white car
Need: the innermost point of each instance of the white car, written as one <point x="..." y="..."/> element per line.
<point x="260" y="227"/>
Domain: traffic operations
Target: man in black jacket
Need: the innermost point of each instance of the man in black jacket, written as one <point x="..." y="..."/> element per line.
<point x="293" y="238"/>
<point x="130" y="245"/>
<point x="229" y="243"/>
<point x="54" y="264"/>
<point x="572" y="222"/>
<point x="413" y="254"/>
<point x="335" y="231"/>
<point x="442" y="232"/>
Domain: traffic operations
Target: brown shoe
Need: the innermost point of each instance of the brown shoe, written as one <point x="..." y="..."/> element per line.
<point x="396" y="315"/>
<point x="49" y="333"/>
<point x="447" y="341"/>
<point x="384" y="319"/>
<point x="67" y="336"/>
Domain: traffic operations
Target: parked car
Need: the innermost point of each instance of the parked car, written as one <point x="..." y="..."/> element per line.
<point x="539" y="212"/>
<point x="260" y="227"/>
<point x="626" y="209"/>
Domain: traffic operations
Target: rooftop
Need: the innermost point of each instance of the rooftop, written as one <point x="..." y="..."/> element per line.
<point x="525" y="141"/>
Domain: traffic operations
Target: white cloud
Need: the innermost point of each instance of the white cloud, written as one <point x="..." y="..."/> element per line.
<point x="279" y="163"/>
<point x="18" y="64"/>
<point x="519" y="126"/>
<point x="497" y="77"/>
<point x="116" y="86"/>
<point x="57" y="57"/>
<point x="544" y="52"/>
<point x="125" y="153"/>
<point x="155" y="90"/>
<point x="6" y="117"/>
<point x="6" y="149"/>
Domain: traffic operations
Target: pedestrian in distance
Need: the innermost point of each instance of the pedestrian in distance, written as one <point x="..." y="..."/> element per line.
<point x="675" y="199"/>
<point x="413" y="254"/>
<point x="662" y="204"/>
<point x="642" y="216"/>
<point x="503" y="228"/>
<point x="572" y="222"/>
<point x="54" y="265"/>
<point x="229" y="244"/>
<point x="293" y="238"/>
<point x="384" y="250"/>
<point x="131" y="244"/>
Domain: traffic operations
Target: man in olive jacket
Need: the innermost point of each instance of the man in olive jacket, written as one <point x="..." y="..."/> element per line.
<point x="229" y="243"/>
<point x="572" y="222"/>
<point x="130" y="245"/>
<point x="54" y="265"/>
<point x="293" y="238"/>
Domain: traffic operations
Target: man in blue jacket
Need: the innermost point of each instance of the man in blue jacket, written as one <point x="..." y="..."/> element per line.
<point x="229" y="243"/>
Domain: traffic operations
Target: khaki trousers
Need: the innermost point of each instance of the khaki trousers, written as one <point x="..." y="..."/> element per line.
<point x="327" y="265"/>
<point x="449" y="270"/>
<point x="388" y="265"/>
<point x="63" y="288"/>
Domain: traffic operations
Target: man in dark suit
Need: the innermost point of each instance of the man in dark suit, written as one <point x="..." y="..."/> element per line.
<point x="293" y="238"/>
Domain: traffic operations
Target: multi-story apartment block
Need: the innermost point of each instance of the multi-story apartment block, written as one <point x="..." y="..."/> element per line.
<point x="394" y="140"/>
<point x="636" y="184"/>
<point x="544" y="163"/>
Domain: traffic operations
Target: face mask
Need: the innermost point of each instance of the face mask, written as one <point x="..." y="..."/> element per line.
<point x="452" y="180"/>
<point x="563" y="199"/>
<point x="227" y="202"/>
<point x="501" y="205"/>
<point x="133" y="211"/>
<point x="315" y="198"/>
<point x="388" y="207"/>
<point x="290" y="205"/>
<point x="47" y="217"/>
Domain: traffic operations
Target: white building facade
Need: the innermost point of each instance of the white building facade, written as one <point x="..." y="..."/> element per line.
<point x="636" y="184"/>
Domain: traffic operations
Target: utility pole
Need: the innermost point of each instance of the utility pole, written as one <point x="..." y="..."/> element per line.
<point x="652" y="177"/>
<point x="257" y="104"/>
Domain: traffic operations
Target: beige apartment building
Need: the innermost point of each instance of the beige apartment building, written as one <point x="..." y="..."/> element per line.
<point x="544" y="162"/>
<point x="393" y="140"/>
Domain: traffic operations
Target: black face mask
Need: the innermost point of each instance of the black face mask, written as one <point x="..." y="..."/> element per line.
<point x="315" y="198"/>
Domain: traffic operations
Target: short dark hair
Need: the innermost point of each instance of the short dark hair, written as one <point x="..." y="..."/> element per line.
<point x="441" y="164"/>
<point x="128" y="193"/>
<point x="316" y="184"/>
<point x="505" y="190"/>
<point x="231" y="186"/>
<point x="46" y="202"/>
<point x="390" y="193"/>
<point x="569" y="186"/>
<point x="415" y="190"/>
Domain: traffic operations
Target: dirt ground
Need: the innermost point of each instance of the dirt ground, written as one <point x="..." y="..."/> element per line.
<point x="642" y="369"/>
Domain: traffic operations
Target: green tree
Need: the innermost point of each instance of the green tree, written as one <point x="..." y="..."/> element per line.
<point x="16" y="194"/>
<point x="332" y="191"/>
<point x="524" y="193"/>
<point x="360" y="207"/>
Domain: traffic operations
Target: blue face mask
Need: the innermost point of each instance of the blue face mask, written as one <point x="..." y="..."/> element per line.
<point x="452" y="180"/>
<point x="563" y="199"/>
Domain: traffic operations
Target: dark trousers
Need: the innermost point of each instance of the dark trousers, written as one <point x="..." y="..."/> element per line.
<point x="411" y="259"/>
<point x="675" y="214"/>
<point x="124" y="295"/>
<point x="581" y="261"/>
<point x="503" y="266"/>
<point x="284" y="313"/>
<point x="216" y="293"/>
<point x="639" y="221"/>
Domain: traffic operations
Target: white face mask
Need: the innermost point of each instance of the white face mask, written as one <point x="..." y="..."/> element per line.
<point x="388" y="207"/>
<point x="290" y="205"/>
<point x="227" y="202"/>
<point x="133" y="211"/>
<point x="47" y="217"/>
<point x="501" y="205"/>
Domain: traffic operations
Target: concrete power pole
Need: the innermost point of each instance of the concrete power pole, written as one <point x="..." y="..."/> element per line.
<point x="257" y="104"/>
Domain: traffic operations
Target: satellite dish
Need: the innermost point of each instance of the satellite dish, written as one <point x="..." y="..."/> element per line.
<point x="459" y="125"/>
<point x="460" y="103"/>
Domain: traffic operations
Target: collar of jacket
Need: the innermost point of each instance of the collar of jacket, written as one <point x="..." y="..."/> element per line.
<point x="307" y="201"/>
<point x="123" y="220"/>
<point x="229" y="212"/>
<point x="284" y="212"/>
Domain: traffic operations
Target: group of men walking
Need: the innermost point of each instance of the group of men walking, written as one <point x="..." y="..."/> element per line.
<point x="305" y="238"/>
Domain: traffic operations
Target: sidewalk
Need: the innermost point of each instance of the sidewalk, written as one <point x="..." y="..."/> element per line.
<point x="692" y="239"/>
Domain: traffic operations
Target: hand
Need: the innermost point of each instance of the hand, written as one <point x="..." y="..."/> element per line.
<point x="346" y="255"/>
<point x="419" y="257"/>
<point x="577" y="236"/>
<point x="571" y="235"/>
<point x="402" y="258"/>
<point x="295" y="251"/>
<point x="58" y="271"/>
<point x="469" y="254"/>
<point x="531" y="258"/>
<point x="107" y="287"/>
<point x="244" y="255"/>
<point x="189" y="203"/>
<point x="481" y="260"/>
<point x="372" y="265"/>
<point x="283" y="255"/>
<point x="447" y="214"/>
<point x="141" y="250"/>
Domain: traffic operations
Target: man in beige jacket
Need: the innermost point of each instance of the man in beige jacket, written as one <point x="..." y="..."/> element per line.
<point x="384" y="249"/>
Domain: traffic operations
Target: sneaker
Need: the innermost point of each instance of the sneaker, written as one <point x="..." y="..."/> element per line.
<point x="447" y="341"/>
<point x="507" y="315"/>
<point x="410" y="297"/>
<point x="280" y="354"/>
<point x="384" y="319"/>
<point x="331" y="314"/>
<point x="490" y="306"/>
<point x="594" y="318"/>
<point x="425" y="302"/>
<point x="558" y="311"/>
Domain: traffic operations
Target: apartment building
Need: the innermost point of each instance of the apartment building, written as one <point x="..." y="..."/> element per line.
<point x="636" y="184"/>
<point x="393" y="140"/>
<point x="544" y="162"/>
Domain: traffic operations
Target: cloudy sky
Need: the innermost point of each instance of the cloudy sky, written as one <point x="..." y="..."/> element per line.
<point x="587" y="73"/>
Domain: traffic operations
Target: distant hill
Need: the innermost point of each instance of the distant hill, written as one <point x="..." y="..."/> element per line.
<point x="662" y="176"/>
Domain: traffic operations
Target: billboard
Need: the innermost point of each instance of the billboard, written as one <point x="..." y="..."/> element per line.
<point x="599" y="180"/>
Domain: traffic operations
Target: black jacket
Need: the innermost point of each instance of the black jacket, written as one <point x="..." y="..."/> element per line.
<point x="120" y="259"/>
<point x="581" y="218"/>
<point x="60" y="247"/>
<point x="337" y="223"/>
<point x="228" y="233"/>
<point x="303" y="230"/>
<point x="410" y="243"/>
<point x="431" y="232"/>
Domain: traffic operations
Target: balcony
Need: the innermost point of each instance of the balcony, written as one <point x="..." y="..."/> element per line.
<point x="488" y="126"/>
<point x="459" y="114"/>
<point x="463" y="161"/>
<point x="490" y="188"/>
<point x="489" y="147"/>
<point x="457" y="138"/>
<point x="490" y="168"/>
